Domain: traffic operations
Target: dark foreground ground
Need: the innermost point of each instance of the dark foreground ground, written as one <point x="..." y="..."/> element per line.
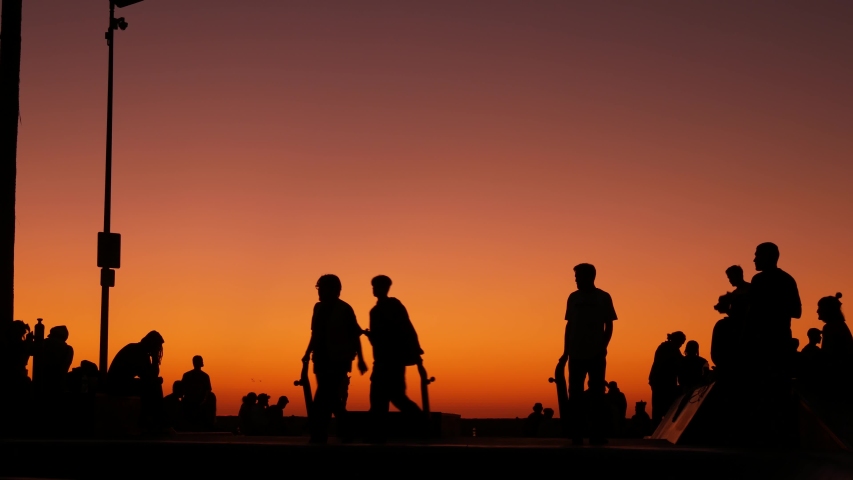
<point x="235" y="456"/>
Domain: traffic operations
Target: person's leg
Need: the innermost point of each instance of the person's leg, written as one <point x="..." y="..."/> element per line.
<point x="598" y="406"/>
<point x="321" y="411"/>
<point x="339" y="405"/>
<point x="577" y="375"/>
<point x="379" y="400"/>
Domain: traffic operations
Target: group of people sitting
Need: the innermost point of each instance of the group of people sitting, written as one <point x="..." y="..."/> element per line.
<point x="192" y="404"/>
<point x="258" y="417"/>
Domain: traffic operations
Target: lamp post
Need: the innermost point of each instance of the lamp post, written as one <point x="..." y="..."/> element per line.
<point x="109" y="244"/>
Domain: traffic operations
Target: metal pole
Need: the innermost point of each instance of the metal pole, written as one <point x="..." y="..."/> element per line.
<point x="105" y="286"/>
<point x="10" y="75"/>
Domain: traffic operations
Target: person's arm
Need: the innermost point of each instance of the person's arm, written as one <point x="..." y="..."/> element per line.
<point x="796" y="303"/>
<point x="309" y="349"/>
<point x="566" y="338"/>
<point x="608" y="332"/>
<point x="362" y="366"/>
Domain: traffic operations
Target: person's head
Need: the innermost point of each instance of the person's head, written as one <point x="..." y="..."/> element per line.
<point x="724" y="303"/>
<point x="17" y="330"/>
<point x="795" y="345"/>
<point x="282" y="401"/>
<point x="251" y="398"/>
<point x="198" y="362"/>
<point x="548" y="412"/>
<point x="692" y="348"/>
<point x="178" y="388"/>
<point x="328" y="287"/>
<point x="60" y="332"/>
<point x="678" y="338"/>
<point x="537" y="407"/>
<point x="263" y="400"/>
<point x="584" y="276"/>
<point x="153" y="343"/>
<point x="612" y="387"/>
<point x="766" y="256"/>
<point x="829" y="309"/>
<point x="640" y="407"/>
<point x="814" y="335"/>
<point x="381" y="286"/>
<point x="88" y="367"/>
<point x="735" y="275"/>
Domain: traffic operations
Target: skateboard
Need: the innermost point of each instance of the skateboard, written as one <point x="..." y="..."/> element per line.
<point x="559" y="379"/>
<point x="305" y="383"/>
<point x="425" y="381"/>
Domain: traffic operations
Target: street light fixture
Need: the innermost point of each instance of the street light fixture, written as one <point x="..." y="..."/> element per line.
<point x="109" y="244"/>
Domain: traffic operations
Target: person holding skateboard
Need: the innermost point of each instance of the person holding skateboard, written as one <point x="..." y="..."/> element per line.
<point x="589" y="328"/>
<point x="335" y="343"/>
<point x="395" y="346"/>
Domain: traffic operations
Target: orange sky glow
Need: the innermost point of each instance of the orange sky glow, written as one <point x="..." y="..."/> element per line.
<point x="472" y="151"/>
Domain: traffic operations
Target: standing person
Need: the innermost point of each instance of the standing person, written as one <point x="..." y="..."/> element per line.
<point x="693" y="367"/>
<point x="664" y="375"/>
<point x="589" y="328"/>
<point x="740" y="295"/>
<point x="774" y="301"/>
<point x="199" y="400"/>
<point x="395" y="346"/>
<point x="837" y="343"/>
<point x="335" y="343"/>
<point x="812" y="362"/>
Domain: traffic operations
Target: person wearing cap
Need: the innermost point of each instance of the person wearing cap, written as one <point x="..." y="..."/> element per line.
<point x="335" y="342"/>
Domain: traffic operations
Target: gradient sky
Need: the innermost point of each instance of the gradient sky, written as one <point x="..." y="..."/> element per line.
<point x="474" y="151"/>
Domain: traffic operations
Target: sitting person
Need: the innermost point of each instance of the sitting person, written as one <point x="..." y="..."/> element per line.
<point x="275" y="417"/>
<point x="199" y="400"/>
<point x="693" y="368"/>
<point x="812" y="362"/>
<point x="247" y="414"/>
<point x="641" y="422"/>
<point x="172" y="406"/>
<point x="57" y="356"/>
<point x="135" y="371"/>
<point x="531" y="425"/>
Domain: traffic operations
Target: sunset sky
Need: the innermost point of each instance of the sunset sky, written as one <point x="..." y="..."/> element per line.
<point x="474" y="151"/>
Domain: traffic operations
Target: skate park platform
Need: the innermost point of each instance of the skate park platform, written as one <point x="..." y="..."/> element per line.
<point x="221" y="455"/>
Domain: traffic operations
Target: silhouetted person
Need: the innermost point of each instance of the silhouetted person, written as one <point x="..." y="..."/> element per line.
<point x="172" y="406"/>
<point x="57" y="357"/>
<point x="641" y="423"/>
<point x="837" y="343"/>
<point x="199" y="400"/>
<point x="774" y="301"/>
<point x="16" y="347"/>
<point x="618" y="405"/>
<point x="549" y="427"/>
<point x="335" y="343"/>
<point x="693" y="367"/>
<point x="275" y="416"/>
<point x="395" y="346"/>
<point x="740" y="295"/>
<point x="664" y="375"/>
<point x="726" y="340"/>
<point x="247" y="414"/>
<point x="135" y="371"/>
<point x="812" y="361"/>
<point x="589" y="328"/>
<point x="534" y="420"/>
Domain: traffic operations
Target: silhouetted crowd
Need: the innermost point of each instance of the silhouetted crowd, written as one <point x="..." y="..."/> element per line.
<point x="258" y="417"/>
<point x="757" y="363"/>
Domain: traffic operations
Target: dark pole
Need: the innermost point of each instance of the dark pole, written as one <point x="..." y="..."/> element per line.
<point x="10" y="78"/>
<point x="106" y="272"/>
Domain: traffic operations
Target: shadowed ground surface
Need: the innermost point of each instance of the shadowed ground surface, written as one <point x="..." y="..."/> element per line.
<point x="235" y="456"/>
